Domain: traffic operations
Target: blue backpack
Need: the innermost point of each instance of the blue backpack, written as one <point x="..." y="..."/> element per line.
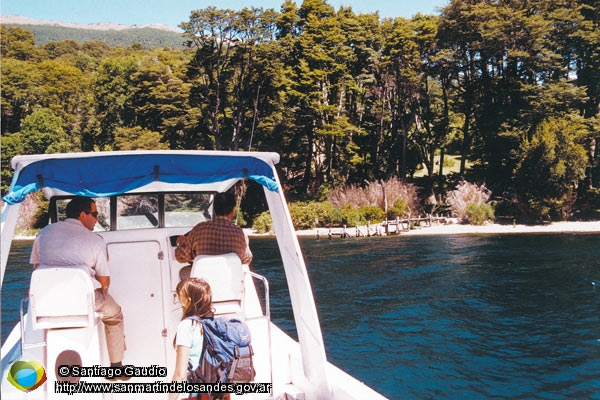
<point x="226" y="353"/>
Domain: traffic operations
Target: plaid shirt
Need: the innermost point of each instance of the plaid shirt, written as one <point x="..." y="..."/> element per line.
<point x="219" y="236"/>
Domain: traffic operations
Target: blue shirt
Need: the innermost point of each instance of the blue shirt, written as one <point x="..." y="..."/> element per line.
<point x="189" y="334"/>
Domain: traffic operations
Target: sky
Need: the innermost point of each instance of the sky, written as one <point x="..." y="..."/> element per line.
<point x="173" y="12"/>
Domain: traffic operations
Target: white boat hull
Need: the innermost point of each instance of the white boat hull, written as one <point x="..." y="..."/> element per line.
<point x="144" y="275"/>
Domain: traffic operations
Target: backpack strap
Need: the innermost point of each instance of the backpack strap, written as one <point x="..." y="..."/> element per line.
<point x="200" y="319"/>
<point x="207" y="332"/>
<point x="210" y="348"/>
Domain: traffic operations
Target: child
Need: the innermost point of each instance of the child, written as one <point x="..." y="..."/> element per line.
<point x="196" y="300"/>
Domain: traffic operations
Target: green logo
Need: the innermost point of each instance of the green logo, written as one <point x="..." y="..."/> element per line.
<point x="26" y="374"/>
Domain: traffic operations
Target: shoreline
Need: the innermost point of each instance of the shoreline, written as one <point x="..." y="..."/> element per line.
<point x="461" y="229"/>
<point x="444" y="229"/>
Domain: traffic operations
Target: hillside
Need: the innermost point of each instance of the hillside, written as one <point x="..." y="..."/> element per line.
<point x="148" y="36"/>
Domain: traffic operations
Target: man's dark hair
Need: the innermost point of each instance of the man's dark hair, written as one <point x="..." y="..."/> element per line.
<point x="224" y="203"/>
<point x="77" y="205"/>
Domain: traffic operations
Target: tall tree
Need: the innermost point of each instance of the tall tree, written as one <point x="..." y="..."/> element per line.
<point x="584" y="29"/>
<point x="553" y="163"/>
<point x="403" y="50"/>
<point x="460" y="40"/>
<point x="20" y="92"/>
<point x="363" y="112"/>
<point x="112" y="88"/>
<point x="211" y="33"/>
<point x="19" y="43"/>
<point x="62" y="90"/>
<point x="160" y="100"/>
<point x="319" y="82"/>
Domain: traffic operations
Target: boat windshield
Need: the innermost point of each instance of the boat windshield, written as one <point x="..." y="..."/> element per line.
<point x="147" y="210"/>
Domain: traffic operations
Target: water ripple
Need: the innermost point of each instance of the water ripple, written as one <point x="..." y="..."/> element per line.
<point x="462" y="317"/>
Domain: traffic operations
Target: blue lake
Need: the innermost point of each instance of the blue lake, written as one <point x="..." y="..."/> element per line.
<point x="439" y="317"/>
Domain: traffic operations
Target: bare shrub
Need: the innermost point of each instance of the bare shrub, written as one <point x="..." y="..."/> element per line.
<point x="467" y="194"/>
<point x="33" y="214"/>
<point x="29" y="206"/>
<point x="373" y="195"/>
<point x="395" y="190"/>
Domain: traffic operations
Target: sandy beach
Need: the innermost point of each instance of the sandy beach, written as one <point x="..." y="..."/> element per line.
<point x="458" y="229"/>
<point x="447" y="229"/>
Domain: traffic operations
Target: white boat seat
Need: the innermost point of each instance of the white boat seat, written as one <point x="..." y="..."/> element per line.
<point x="225" y="275"/>
<point x="61" y="297"/>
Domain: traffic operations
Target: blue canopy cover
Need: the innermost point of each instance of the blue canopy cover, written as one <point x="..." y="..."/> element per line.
<point x="96" y="175"/>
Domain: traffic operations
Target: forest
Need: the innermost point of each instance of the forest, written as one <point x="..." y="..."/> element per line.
<point x="147" y="37"/>
<point x="503" y="94"/>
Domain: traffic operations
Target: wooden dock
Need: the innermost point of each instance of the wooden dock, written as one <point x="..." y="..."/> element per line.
<point x="384" y="228"/>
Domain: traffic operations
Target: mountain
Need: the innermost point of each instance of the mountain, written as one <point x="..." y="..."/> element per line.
<point x="101" y="26"/>
<point x="148" y="36"/>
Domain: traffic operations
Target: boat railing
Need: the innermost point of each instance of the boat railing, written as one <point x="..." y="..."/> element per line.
<point x="266" y="316"/>
<point x="265" y="283"/>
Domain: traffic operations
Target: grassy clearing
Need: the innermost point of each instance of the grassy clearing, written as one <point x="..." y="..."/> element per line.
<point x="451" y="165"/>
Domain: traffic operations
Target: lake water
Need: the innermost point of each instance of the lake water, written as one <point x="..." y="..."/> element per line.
<point x="440" y="317"/>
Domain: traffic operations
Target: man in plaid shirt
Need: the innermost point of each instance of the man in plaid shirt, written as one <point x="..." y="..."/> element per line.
<point x="219" y="236"/>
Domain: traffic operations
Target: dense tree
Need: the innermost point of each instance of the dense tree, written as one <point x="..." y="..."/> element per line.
<point x="112" y="89"/>
<point x="62" y="90"/>
<point x="584" y="35"/>
<point x="20" y="92"/>
<point x="19" y="43"/>
<point x="43" y="133"/>
<point x="552" y="164"/>
<point x="511" y="87"/>
<point x="160" y="99"/>
<point x="211" y="33"/>
<point x="137" y="138"/>
<point x="319" y="82"/>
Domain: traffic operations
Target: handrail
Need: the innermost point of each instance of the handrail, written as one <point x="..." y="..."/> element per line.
<point x="267" y="298"/>
<point x="266" y="316"/>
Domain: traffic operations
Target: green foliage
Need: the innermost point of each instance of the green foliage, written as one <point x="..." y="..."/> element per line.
<point x="551" y="165"/>
<point x="17" y="43"/>
<point x="351" y="102"/>
<point x="310" y="215"/>
<point x="112" y="89"/>
<point x="43" y="133"/>
<point x="449" y="163"/>
<point x="12" y="145"/>
<point x="160" y="97"/>
<point x="263" y="223"/>
<point x="479" y="213"/>
<point x="137" y="138"/>
<point x="41" y="217"/>
<point x="372" y="214"/>
<point x="351" y="216"/>
<point x="336" y="216"/>
<point x="146" y="37"/>
<point x="323" y="214"/>
<point x="240" y="219"/>
<point x="398" y="209"/>
<point x="20" y="91"/>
